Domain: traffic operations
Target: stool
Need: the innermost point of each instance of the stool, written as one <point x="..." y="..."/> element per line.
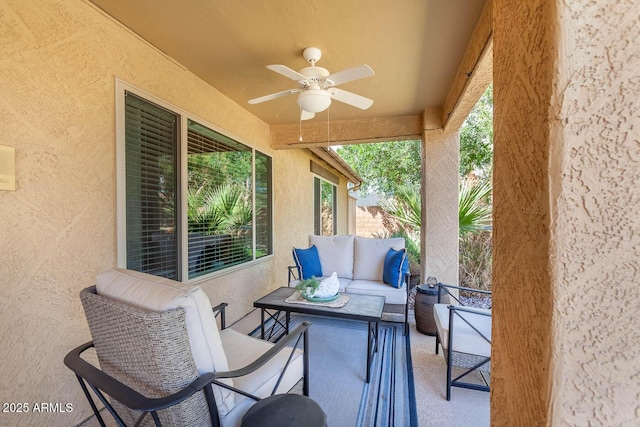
<point x="285" y="410"/>
<point x="426" y="297"/>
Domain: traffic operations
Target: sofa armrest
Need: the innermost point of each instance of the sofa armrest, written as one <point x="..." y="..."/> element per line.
<point x="219" y="310"/>
<point x="442" y="288"/>
<point x="102" y="383"/>
<point x="407" y="282"/>
<point x="294" y="274"/>
<point x="284" y="344"/>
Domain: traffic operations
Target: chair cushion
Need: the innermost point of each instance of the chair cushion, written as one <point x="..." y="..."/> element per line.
<point x="465" y="340"/>
<point x="308" y="262"/>
<point x="375" y="287"/>
<point x="396" y="266"/>
<point x="155" y="293"/>
<point x="336" y="254"/>
<point x="369" y="256"/>
<point x="241" y="350"/>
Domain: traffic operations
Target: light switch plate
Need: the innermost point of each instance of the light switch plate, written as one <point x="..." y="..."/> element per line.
<point x="7" y="168"/>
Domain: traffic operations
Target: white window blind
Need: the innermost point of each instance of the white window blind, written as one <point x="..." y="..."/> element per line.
<point x="151" y="183"/>
<point x="264" y="214"/>
<point x="220" y="202"/>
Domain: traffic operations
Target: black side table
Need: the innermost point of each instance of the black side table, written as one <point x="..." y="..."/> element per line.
<point x="285" y="410"/>
<point x="426" y="297"/>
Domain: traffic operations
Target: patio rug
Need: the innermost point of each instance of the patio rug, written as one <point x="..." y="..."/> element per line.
<point x="338" y="361"/>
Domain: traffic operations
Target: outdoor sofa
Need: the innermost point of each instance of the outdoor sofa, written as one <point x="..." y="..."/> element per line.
<point x="360" y="266"/>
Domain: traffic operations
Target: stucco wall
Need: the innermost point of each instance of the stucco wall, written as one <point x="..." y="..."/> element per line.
<point x="522" y="291"/>
<point x="295" y="213"/>
<point x="566" y="340"/>
<point x="595" y="195"/>
<point x="342" y="207"/>
<point x="440" y="225"/>
<point x="58" y="64"/>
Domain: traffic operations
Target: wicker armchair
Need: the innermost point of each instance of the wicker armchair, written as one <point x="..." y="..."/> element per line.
<point x="465" y="335"/>
<point x="148" y="374"/>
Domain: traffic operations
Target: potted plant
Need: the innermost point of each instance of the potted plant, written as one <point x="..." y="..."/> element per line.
<point x="315" y="290"/>
<point x="308" y="287"/>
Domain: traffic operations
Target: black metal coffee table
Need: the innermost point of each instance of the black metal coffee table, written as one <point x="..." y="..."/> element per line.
<point x="367" y="308"/>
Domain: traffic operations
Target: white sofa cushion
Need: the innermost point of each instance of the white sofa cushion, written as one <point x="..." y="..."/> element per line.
<point x="465" y="340"/>
<point x="336" y="254"/>
<point x="241" y="350"/>
<point x="369" y="255"/>
<point x="155" y="293"/>
<point x="374" y="287"/>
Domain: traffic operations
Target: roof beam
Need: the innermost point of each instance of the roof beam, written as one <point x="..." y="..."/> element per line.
<point x="333" y="159"/>
<point x="344" y="132"/>
<point x="474" y="74"/>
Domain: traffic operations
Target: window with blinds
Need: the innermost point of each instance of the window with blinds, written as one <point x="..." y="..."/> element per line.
<point x="325" y="204"/>
<point x="228" y="196"/>
<point x="220" y="201"/>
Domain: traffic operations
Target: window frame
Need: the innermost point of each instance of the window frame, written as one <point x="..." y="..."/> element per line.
<point x="121" y="88"/>
<point x="317" y="206"/>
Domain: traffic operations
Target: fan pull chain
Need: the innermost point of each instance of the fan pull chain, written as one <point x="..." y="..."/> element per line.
<point x="328" y="126"/>
<point x="300" y="121"/>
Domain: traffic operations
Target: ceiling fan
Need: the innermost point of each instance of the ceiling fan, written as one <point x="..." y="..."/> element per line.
<point x="316" y="87"/>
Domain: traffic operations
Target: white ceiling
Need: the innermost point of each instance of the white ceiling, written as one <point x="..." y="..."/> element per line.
<point x="414" y="46"/>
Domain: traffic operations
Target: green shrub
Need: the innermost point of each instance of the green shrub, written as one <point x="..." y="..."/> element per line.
<point x="475" y="260"/>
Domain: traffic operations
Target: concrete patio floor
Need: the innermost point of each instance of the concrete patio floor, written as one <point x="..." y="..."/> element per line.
<point x="467" y="408"/>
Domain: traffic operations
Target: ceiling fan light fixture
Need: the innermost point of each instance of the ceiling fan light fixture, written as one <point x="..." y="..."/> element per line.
<point x="316" y="86"/>
<point x="314" y="100"/>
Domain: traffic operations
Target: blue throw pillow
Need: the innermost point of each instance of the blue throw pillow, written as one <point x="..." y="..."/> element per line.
<point x="396" y="266"/>
<point x="308" y="262"/>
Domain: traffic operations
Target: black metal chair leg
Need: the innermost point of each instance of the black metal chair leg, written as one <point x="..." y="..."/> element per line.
<point x="91" y="402"/>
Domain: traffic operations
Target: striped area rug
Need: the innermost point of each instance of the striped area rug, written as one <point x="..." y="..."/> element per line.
<point x="338" y="363"/>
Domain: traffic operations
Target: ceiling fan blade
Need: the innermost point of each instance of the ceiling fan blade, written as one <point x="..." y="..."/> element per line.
<point x="273" y="96"/>
<point x="306" y="115"/>
<point x="350" y="98"/>
<point x="349" y="75"/>
<point x="287" y="72"/>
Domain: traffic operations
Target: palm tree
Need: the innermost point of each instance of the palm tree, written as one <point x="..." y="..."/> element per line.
<point x="474" y="218"/>
<point x="404" y="207"/>
<point x="226" y="209"/>
<point x="474" y="207"/>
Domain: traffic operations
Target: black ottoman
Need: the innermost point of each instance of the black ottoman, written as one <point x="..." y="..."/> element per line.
<point x="285" y="410"/>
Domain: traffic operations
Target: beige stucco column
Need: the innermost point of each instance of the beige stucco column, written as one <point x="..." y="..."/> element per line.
<point x="439" y="230"/>
<point x="566" y="324"/>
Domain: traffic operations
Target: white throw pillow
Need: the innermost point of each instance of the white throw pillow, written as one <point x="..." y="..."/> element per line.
<point x="336" y="254"/>
<point x="369" y="257"/>
<point x="155" y="293"/>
